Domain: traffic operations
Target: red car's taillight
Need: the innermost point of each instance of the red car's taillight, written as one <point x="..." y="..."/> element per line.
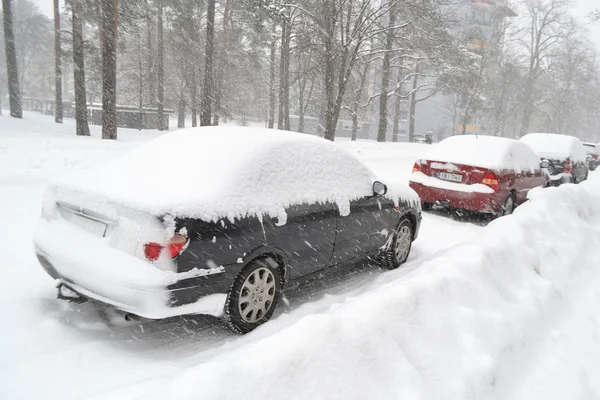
<point x="417" y="167"/>
<point x="568" y="169"/>
<point x="153" y="250"/>
<point x="490" y="179"/>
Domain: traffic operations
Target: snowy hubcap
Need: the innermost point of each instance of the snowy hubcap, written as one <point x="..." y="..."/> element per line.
<point x="257" y="294"/>
<point x="403" y="238"/>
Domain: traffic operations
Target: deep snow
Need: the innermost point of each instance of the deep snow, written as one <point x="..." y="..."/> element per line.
<point x="504" y="311"/>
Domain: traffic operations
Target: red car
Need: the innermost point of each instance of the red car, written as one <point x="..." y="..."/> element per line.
<point x="485" y="174"/>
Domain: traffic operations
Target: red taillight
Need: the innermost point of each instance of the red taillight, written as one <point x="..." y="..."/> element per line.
<point x="568" y="169"/>
<point x="176" y="245"/>
<point x="153" y="250"/>
<point x="490" y="179"/>
<point x="417" y="167"/>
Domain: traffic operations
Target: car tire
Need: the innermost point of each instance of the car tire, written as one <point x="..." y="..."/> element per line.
<point x="425" y="206"/>
<point x="509" y="205"/>
<point x="399" y="246"/>
<point x="254" y="295"/>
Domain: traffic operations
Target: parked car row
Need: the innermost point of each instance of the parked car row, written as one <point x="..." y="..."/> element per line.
<point x="493" y="175"/>
<point x="222" y="221"/>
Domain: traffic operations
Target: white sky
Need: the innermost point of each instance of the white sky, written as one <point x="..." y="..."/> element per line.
<point x="45" y="5"/>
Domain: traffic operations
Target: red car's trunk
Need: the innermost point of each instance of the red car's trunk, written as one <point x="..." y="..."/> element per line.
<point x="450" y="172"/>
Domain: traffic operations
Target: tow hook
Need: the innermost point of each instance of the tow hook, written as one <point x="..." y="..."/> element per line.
<point x="65" y="293"/>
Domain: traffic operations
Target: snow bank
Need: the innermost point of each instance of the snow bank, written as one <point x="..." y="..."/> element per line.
<point x="555" y="147"/>
<point x="454" y="328"/>
<point x="485" y="151"/>
<point x="233" y="172"/>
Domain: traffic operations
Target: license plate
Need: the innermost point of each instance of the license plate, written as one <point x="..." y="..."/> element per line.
<point x="449" y="177"/>
<point x="92" y="226"/>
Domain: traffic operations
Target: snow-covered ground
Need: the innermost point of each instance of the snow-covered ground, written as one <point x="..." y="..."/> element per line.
<point x="503" y="311"/>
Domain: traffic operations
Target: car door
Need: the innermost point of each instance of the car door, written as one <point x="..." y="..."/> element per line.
<point x="307" y="236"/>
<point x="364" y="230"/>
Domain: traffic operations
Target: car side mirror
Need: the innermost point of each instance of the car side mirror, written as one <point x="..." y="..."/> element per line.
<point x="544" y="164"/>
<point x="379" y="188"/>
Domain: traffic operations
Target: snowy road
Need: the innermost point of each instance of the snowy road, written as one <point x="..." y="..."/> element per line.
<point x="50" y="349"/>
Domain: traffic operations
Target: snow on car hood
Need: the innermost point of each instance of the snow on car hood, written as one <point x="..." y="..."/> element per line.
<point x="215" y="172"/>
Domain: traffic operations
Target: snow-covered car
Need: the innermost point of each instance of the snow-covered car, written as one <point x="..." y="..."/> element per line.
<point x="219" y="221"/>
<point x="593" y="155"/>
<point x="484" y="174"/>
<point x="565" y="155"/>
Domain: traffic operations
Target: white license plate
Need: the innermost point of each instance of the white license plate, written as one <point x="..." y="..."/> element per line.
<point x="449" y="177"/>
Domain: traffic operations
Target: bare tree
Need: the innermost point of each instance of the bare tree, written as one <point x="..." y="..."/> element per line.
<point x="543" y="19"/>
<point x="385" y="76"/>
<point x="109" y="68"/>
<point x="273" y="49"/>
<point x="14" y="90"/>
<point x="58" y="106"/>
<point x="209" y="83"/>
<point x="160" y="104"/>
<point x="82" y="128"/>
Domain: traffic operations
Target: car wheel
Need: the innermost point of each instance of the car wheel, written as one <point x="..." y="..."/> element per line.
<point x="425" y="206"/>
<point x="254" y="295"/>
<point x="399" y="247"/>
<point x="509" y="205"/>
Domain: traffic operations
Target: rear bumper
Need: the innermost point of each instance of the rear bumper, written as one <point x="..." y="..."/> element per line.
<point x="88" y="266"/>
<point x="472" y="201"/>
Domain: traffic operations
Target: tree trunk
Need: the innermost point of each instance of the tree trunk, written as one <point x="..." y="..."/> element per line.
<point x="397" y="109"/>
<point x="58" y="105"/>
<point x="397" y="106"/>
<point x="160" y="44"/>
<point x="194" y="96"/>
<point x="283" y="120"/>
<point x="14" y="90"/>
<point x="151" y="72"/>
<point x="110" y="11"/>
<point x="385" y="78"/>
<point x="271" y="117"/>
<point x="329" y="84"/>
<point x="81" y="119"/>
<point x="361" y="88"/>
<point x="181" y="110"/>
<point x="140" y="83"/>
<point x="413" y="105"/>
<point x="208" y="85"/>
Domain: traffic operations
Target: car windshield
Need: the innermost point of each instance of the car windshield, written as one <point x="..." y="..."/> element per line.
<point x="300" y="199"/>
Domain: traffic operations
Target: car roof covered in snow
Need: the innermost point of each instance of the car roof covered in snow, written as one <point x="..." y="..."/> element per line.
<point x="555" y="147"/>
<point x="490" y="152"/>
<point x="234" y="172"/>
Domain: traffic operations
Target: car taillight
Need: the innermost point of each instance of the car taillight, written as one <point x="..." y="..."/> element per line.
<point x="153" y="250"/>
<point x="568" y="168"/>
<point x="490" y="179"/>
<point x="417" y="167"/>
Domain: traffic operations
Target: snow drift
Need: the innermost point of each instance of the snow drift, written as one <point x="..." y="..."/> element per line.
<point x="453" y="328"/>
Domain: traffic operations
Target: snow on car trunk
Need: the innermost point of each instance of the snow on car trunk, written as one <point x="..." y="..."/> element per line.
<point x="215" y="172"/>
<point x="451" y="329"/>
